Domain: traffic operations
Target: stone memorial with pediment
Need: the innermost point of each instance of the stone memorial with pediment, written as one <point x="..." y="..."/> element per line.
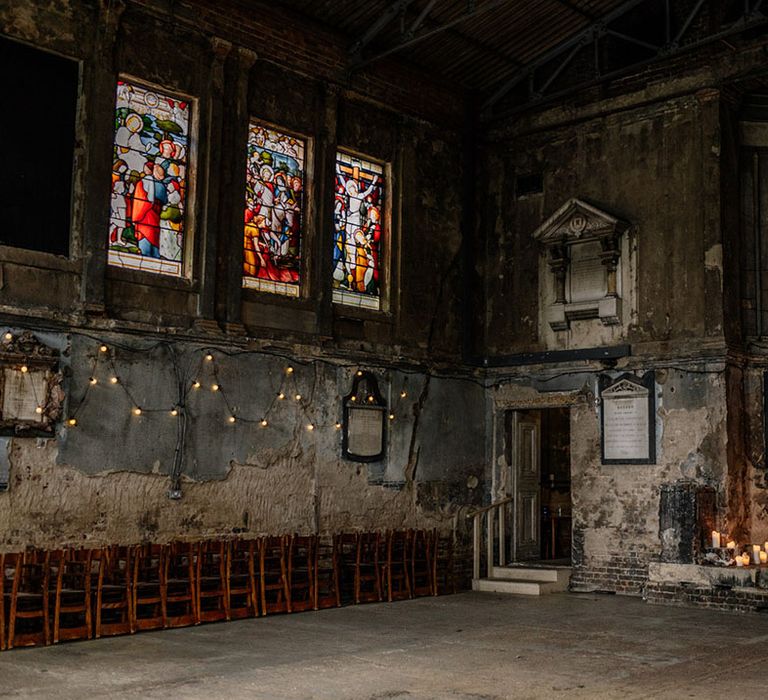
<point x="628" y="426"/>
<point x="583" y="248"/>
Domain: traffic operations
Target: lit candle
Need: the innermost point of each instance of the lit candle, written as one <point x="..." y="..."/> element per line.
<point x="715" y="539"/>
<point x="745" y="559"/>
<point x="764" y="557"/>
<point x="731" y="545"/>
<point x="739" y="561"/>
<point x="756" y="553"/>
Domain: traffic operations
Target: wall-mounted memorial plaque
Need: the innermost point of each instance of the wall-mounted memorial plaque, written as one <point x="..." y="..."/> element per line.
<point x="365" y="414"/>
<point x="628" y="425"/>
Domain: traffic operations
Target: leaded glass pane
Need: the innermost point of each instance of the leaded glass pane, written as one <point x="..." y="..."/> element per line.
<point x="358" y="218"/>
<point x="149" y="180"/>
<point x="274" y="198"/>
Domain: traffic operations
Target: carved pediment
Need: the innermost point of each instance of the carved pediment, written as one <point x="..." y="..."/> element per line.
<point x="576" y="221"/>
<point x="625" y="388"/>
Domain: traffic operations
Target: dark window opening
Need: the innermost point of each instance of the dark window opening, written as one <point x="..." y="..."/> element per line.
<point x="38" y="127"/>
<point x="529" y="184"/>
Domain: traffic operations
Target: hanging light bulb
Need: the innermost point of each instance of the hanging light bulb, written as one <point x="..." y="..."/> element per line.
<point x="103" y="348"/>
<point x="264" y="423"/>
<point x="370" y="399"/>
<point x="310" y="427"/>
<point x="72" y="422"/>
<point x="289" y="370"/>
<point x="39" y="410"/>
<point x="297" y="397"/>
<point x="174" y="411"/>
<point x="403" y="394"/>
<point x="195" y="384"/>
<point x="215" y="387"/>
<point x="93" y="380"/>
<point x="136" y="411"/>
<point x="231" y="419"/>
<point x="337" y="426"/>
<point x="9" y="336"/>
<point x="209" y="357"/>
<point x="354" y="398"/>
<point x="24" y="369"/>
<point x="113" y="380"/>
<point x="391" y="416"/>
<point x="281" y="396"/>
<point x="359" y="373"/>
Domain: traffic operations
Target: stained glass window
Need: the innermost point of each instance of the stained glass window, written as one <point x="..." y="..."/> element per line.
<point x="274" y="197"/>
<point x="149" y="180"/>
<point x="358" y="222"/>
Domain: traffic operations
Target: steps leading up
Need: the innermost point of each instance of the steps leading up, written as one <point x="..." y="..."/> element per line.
<point x="525" y="580"/>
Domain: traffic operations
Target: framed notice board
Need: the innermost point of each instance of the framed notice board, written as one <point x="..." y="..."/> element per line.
<point x="628" y="419"/>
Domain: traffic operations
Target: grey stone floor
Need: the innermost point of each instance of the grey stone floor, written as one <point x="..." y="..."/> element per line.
<point x="468" y="646"/>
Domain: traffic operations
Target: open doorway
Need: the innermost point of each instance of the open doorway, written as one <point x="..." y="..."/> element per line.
<point x="539" y="458"/>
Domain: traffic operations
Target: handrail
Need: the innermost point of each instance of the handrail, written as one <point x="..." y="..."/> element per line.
<point x="502" y="502"/>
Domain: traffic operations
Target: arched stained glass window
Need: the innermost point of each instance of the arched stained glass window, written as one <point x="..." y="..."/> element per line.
<point x="274" y="208"/>
<point x="147" y="228"/>
<point x="358" y="213"/>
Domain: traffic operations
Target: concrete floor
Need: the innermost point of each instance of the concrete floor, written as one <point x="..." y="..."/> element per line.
<point x="469" y="646"/>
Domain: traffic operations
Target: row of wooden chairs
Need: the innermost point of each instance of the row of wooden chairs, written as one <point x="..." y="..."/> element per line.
<point x="52" y="596"/>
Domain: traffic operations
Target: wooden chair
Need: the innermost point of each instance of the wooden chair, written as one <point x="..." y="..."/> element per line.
<point x="326" y="567"/>
<point x="301" y="577"/>
<point x="114" y="592"/>
<point x="28" y="599"/>
<point x="367" y="575"/>
<point x="72" y="594"/>
<point x="421" y="562"/>
<point x="243" y="579"/>
<point x="346" y="556"/>
<point x="148" y="588"/>
<point x="443" y="579"/>
<point x="275" y="591"/>
<point x="212" y="596"/>
<point x="395" y="569"/>
<point x="179" y="584"/>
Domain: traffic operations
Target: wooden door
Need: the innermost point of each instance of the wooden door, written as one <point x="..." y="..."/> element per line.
<point x="527" y="479"/>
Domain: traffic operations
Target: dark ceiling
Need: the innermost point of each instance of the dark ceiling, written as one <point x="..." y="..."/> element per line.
<point x="498" y="47"/>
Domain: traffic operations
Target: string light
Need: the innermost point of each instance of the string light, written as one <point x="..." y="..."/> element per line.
<point x="310" y="427"/>
<point x="215" y="387"/>
<point x="391" y="416"/>
<point x="9" y="336"/>
<point x="370" y="399"/>
<point x="174" y="411"/>
<point x="72" y="422"/>
<point x="93" y="380"/>
<point x="354" y="398"/>
<point x="359" y="373"/>
<point x="209" y="357"/>
<point x="113" y="380"/>
<point x="136" y="411"/>
<point x="264" y="423"/>
<point x="337" y="426"/>
<point x="232" y="419"/>
<point x="289" y="370"/>
<point x="24" y="369"/>
<point x="195" y="384"/>
<point x="103" y="348"/>
<point x="281" y="396"/>
<point x="39" y="410"/>
<point x="403" y="394"/>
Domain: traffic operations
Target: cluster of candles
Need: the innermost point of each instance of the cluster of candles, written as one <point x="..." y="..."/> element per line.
<point x="759" y="554"/>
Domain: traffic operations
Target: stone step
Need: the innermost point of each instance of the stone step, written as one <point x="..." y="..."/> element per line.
<point x="517" y="587"/>
<point x="560" y="575"/>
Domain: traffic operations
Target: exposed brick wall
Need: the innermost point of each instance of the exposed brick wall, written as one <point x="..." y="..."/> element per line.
<point x="720" y="598"/>
<point x="627" y="575"/>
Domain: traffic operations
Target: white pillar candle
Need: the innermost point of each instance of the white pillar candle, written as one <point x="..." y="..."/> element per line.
<point x="756" y="553"/>
<point x="739" y="561"/>
<point x="764" y="557"/>
<point x="745" y="559"/>
<point x="715" y="539"/>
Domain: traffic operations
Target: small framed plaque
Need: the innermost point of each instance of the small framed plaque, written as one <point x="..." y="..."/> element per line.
<point x="365" y="413"/>
<point x="627" y="419"/>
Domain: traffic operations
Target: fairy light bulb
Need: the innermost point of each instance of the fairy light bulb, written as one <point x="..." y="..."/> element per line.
<point x="215" y="387"/>
<point x="359" y="373"/>
<point x="231" y="419"/>
<point x="136" y="411"/>
<point x="337" y="426"/>
<point x="9" y="336"/>
<point x="310" y="427"/>
<point x="103" y="348"/>
<point x="174" y="411"/>
<point x="93" y="380"/>
<point x="39" y="410"/>
<point x="209" y="357"/>
<point x="354" y="398"/>
<point x="264" y="422"/>
<point x="72" y="422"/>
<point x="113" y="380"/>
<point x="24" y="369"/>
<point x="370" y="399"/>
<point x="391" y="416"/>
<point x="403" y="394"/>
<point x="195" y="384"/>
<point x="289" y="370"/>
<point x="297" y="397"/>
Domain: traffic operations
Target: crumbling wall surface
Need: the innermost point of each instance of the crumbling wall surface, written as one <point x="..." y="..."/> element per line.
<point x="616" y="523"/>
<point x="650" y="164"/>
<point x="107" y="478"/>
